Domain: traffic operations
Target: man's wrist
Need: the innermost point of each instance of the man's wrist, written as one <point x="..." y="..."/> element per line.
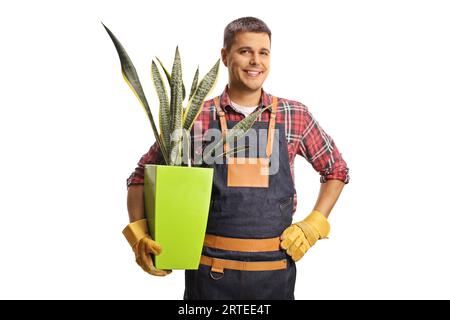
<point x="135" y="231"/>
<point x="319" y="222"/>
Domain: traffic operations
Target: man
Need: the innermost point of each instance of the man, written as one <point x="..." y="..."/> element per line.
<point x="251" y="244"/>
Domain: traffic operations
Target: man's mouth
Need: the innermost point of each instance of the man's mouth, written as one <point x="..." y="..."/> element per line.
<point x="253" y="73"/>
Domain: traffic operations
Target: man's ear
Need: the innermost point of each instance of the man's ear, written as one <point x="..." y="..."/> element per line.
<point x="223" y="53"/>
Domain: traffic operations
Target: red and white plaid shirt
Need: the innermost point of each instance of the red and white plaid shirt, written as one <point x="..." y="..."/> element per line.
<point x="304" y="137"/>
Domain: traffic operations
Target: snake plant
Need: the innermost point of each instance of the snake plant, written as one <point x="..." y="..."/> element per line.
<point x="175" y="121"/>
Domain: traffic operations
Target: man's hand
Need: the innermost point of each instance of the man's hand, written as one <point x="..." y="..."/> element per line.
<point x="143" y="245"/>
<point x="299" y="237"/>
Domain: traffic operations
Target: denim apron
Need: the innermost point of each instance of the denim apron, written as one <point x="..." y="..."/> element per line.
<point x="252" y="213"/>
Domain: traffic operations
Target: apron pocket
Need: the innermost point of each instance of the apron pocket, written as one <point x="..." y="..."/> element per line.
<point x="248" y="172"/>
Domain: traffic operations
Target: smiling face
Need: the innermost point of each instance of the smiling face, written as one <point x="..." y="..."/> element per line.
<point x="248" y="61"/>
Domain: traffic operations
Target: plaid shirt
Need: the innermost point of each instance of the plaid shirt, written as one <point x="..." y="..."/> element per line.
<point x="304" y="137"/>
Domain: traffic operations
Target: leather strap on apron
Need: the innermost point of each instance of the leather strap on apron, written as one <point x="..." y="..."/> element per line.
<point x="217" y="265"/>
<point x="248" y="172"/>
<point x="242" y="245"/>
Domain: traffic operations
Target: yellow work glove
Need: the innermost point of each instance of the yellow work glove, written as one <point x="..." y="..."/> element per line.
<point x="142" y="244"/>
<point x="299" y="237"/>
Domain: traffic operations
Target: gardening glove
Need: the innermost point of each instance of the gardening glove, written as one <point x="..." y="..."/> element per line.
<point x="142" y="244"/>
<point x="299" y="237"/>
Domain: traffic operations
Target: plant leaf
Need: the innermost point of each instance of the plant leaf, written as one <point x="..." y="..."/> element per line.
<point x="237" y="149"/>
<point x="164" y="69"/>
<point x="196" y="102"/>
<point x="131" y="78"/>
<point x="169" y="77"/>
<point x="164" y="108"/>
<point x="176" y="107"/>
<point x="207" y="159"/>
<point x="194" y="84"/>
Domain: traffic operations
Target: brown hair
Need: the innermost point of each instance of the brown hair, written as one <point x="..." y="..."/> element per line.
<point x="244" y="24"/>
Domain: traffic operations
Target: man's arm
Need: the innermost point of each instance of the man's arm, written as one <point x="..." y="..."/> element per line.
<point x="135" y="184"/>
<point x="328" y="195"/>
<point x="136" y="232"/>
<point x="135" y="202"/>
<point x="318" y="148"/>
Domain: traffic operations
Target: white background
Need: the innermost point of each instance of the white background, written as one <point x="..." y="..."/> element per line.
<point x="375" y="74"/>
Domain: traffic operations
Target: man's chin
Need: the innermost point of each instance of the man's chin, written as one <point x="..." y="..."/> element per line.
<point x="253" y="87"/>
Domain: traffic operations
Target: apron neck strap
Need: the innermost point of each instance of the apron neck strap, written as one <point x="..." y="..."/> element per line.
<point x="223" y="123"/>
<point x="273" y="116"/>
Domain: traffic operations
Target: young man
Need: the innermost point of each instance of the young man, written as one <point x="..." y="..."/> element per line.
<point x="251" y="244"/>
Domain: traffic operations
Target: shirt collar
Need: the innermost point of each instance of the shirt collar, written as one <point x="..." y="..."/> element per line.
<point x="225" y="101"/>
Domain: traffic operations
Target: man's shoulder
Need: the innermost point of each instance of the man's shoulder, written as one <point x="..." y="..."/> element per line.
<point x="288" y="105"/>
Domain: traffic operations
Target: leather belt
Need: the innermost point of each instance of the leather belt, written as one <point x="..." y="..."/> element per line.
<point x="242" y="245"/>
<point x="217" y="265"/>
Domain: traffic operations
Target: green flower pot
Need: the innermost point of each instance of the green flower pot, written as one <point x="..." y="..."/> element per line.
<point x="177" y="201"/>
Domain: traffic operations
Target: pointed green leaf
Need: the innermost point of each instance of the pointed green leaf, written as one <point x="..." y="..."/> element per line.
<point x="194" y="84"/>
<point x="176" y="105"/>
<point x="164" y="69"/>
<point x="207" y="156"/>
<point x="169" y="77"/>
<point x="237" y="149"/>
<point x="196" y="102"/>
<point x="164" y="108"/>
<point x="131" y="78"/>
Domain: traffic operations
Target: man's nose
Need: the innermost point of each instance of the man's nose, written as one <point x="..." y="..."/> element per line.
<point x="255" y="59"/>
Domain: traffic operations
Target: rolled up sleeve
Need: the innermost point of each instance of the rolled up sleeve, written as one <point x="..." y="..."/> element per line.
<point x="153" y="156"/>
<point x="319" y="149"/>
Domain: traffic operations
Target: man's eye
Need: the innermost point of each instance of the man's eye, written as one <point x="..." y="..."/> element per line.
<point x="244" y="51"/>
